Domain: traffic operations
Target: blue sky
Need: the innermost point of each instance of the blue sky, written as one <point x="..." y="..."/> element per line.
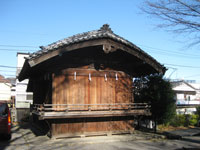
<point x="26" y="25"/>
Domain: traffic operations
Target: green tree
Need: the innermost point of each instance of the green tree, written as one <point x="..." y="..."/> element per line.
<point x="158" y="93"/>
<point x="198" y="112"/>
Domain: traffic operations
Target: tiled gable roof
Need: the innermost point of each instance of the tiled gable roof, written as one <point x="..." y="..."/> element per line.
<point x="3" y="80"/>
<point x="88" y="39"/>
<point x="104" y="32"/>
<point x="180" y="83"/>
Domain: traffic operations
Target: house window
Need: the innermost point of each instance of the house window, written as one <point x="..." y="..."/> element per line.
<point x="188" y="98"/>
<point x="29" y="97"/>
<point x="185" y="97"/>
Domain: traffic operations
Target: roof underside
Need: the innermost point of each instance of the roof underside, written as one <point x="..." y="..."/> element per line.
<point x="103" y="40"/>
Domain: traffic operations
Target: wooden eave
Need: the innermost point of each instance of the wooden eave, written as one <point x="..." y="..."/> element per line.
<point x="185" y="92"/>
<point x="109" y="46"/>
<point x="104" y="37"/>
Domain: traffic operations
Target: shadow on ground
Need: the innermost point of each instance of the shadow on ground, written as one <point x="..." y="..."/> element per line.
<point x="188" y="148"/>
<point x="23" y="131"/>
<point x="17" y="137"/>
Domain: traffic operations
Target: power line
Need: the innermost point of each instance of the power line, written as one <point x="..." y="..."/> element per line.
<point x="196" y="75"/>
<point x="176" y="55"/>
<point x="151" y="50"/>
<point x="164" y="50"/>
<point x="7" y="71"/>
<point x="19" y="46"/>
<point x="182" y="65"/>
<point x="16" y="50"/>
<point x="168" y="52"/>
<point x="8" y="66"/>
<point x="9" y="75"/>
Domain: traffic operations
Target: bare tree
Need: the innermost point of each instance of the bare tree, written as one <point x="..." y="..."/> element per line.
<point x="179" y="16"/>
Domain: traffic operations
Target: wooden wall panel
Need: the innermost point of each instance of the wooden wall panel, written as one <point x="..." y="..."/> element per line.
<point x="92" y="125"/>
<point x="93" y="90"/>
<point x="66" y="90"/>
<point x="42" y="90"/>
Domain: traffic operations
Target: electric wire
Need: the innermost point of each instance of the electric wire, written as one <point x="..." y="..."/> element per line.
<point x="17" y="50"/>
<point x="177" y="65"/>
<point x="18" y="46"/>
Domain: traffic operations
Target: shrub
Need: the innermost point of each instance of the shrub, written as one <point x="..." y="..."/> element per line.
<point x="198" y="112"/>
<point x="184" y="120"/>
<point x="178" y="120"/>
<point x="158" y="93"/>
<point x="193" y="120"/>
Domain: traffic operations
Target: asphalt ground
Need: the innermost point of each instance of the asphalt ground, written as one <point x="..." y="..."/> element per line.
<point x="26" y="137"/>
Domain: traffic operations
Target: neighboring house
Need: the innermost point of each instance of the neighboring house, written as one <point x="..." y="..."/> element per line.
<point x="187" y="96"/>
<point x="197" y="87"/>
<point x="82" y="85"/>
<point x="5" y="89"/>
<point x="13" y="90"/>
<point x="23" y="98"/>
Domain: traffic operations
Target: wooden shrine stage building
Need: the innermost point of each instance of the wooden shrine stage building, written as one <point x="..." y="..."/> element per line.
<point x="82" y="85"/>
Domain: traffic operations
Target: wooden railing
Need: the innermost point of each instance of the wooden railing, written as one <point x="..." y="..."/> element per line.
<point x="89" y="107"/>
<point x="58" y="111"/>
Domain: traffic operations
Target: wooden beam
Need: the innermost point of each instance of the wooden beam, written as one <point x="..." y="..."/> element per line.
<point x="138" y="53"/>
<point x="61" y="115"/>
<point x="56" y="52"/>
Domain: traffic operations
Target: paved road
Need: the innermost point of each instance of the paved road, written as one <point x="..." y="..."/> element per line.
<point x="24" y="139"/>
<point x="188" y="132"/>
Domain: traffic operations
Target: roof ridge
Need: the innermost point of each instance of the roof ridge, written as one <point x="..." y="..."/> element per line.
<point x="104" y="31"/>
<point x="189" y="85"/>
<point x="183" y="81"/>
<point x="69" y="40"/>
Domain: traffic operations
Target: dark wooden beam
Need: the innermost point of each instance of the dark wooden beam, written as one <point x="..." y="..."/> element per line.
<point x="60" y="51"/>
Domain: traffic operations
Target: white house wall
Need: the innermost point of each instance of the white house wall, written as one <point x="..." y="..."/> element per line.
<point x="195" y="85"/>
<point x="5" y="91"/>
<point x="23" y="99"/>
<point x="181" y="96"/>
<point x="183" y="87"/>
<point x="187" y="94"/>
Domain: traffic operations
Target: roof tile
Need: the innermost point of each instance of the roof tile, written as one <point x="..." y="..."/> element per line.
<point x="104" y="32"/>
